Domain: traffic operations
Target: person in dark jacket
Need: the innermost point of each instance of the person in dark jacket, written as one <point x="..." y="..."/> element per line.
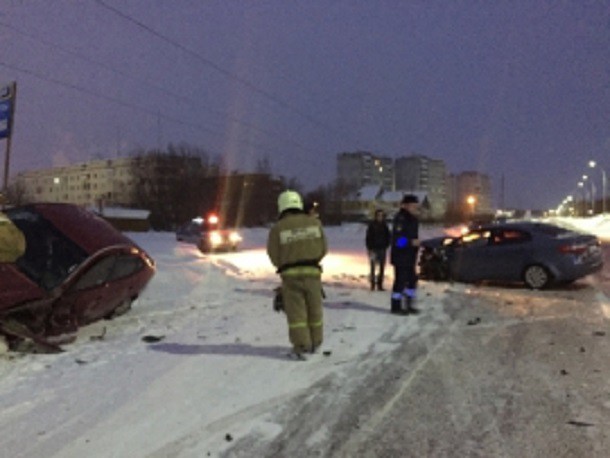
<point x="377" y="242"/>
<point x="403" y="256"/>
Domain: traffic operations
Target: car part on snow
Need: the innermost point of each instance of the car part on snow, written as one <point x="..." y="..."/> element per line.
<point x="18" y="332"/>
<point x="296" y="356"/>
<point x="152" y="339"/>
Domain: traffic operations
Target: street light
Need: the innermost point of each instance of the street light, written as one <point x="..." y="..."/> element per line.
<point x="471" y="200"/>
<point x="593" y="164"/>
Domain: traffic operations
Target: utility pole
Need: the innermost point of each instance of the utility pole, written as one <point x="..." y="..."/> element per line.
<point x="502" y="193"/>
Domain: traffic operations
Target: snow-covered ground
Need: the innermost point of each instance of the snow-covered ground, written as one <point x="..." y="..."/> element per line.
<point x="200" y="361"/>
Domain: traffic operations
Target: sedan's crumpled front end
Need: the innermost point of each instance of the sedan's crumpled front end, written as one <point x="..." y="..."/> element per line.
<point x="76" y="269"/>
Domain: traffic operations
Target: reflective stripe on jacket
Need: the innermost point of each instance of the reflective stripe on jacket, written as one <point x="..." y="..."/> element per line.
<point x="296" y="244"/>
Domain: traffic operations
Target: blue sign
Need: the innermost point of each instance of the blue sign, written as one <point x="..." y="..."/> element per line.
<point x="5" y="118"/>
<point x="7" y="108"/>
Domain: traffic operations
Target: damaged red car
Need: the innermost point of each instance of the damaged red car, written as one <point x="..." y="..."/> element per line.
<point x="62" y="267"/>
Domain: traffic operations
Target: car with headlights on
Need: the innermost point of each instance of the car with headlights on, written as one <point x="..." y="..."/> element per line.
<point x="536" y="254"/>
<point x="208" y="234"/>
<point x="74" y="268"/>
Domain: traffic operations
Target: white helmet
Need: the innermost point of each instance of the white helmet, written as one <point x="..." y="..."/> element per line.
<point x="289" y="199"/>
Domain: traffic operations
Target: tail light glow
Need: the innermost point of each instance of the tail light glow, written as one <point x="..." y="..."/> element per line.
<point x="573" y="248"/>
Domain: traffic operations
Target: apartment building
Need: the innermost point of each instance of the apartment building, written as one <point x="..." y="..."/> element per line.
<point x="470" y="193"/>
<point x="417" y="173"/>
<point x="91" y="183"/>
<point x="361" y="168"/>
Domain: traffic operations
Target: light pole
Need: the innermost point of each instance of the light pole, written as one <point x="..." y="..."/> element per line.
<point x="568" y="204"/>
<point x="593" y="164"/>
<point x="584" y="179"/>
<point x="584" y="198"/>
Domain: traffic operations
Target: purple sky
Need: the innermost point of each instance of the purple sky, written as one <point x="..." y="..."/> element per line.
<point x="513" y="88"/>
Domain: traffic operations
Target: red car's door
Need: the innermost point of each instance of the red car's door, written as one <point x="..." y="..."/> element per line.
<point x="16" y="288"/>
<point x="89" y="295"/>
<point x="106" y="282"/>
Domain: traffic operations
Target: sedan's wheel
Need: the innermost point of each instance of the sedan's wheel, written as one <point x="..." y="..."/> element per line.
<point x="536" y="277"/>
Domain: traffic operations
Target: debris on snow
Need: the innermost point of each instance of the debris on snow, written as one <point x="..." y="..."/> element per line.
<point x="152" y="339"/>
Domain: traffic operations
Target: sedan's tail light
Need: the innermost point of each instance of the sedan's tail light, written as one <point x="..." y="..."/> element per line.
<point x="579" y="248"/>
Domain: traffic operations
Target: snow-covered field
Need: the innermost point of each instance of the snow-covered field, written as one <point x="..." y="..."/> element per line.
<point x="200" y="361"/>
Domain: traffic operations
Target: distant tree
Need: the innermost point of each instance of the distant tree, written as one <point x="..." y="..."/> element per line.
<point x="171" y="184"/>
<point x="292" y="183"/>
<point x="264" y="165"/>
<point x="329" y="202"/>
<point x="16" y="193"/>
<point x="186" y="181"/>
<point x="247" y="199"/>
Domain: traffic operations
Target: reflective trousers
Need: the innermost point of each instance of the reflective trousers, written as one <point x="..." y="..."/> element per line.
<point x="303" y="306"/>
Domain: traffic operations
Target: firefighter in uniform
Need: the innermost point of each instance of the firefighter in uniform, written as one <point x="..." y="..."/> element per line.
<point x="296" y="245"/>
<point x="12" y="240"/>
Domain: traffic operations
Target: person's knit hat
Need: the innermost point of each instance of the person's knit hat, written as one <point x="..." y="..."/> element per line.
<point x="410" y="199"/>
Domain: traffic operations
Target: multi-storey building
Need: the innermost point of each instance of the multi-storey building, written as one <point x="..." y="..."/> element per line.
<point x="361" y="168"/>
<point x="174" y="188"/>
<point x="419" y="173"/>
<point x="470" y="193"/>
<point x="89" y="183"/>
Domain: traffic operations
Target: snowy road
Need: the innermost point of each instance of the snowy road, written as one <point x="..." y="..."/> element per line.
<point x="500" y="372"/>
<point x="483" y="371"/>
<point x="529" y="380"/>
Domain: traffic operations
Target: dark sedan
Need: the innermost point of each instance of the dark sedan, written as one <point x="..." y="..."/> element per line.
<point x="76" y="269"/>
<point x="537" y="254"/>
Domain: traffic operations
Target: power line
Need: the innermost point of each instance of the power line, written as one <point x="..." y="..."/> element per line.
<point x="152" y="85"/>
<point x="132" y="106"/>
<point x="101" y="96"/>
<point x="214" y="65"/>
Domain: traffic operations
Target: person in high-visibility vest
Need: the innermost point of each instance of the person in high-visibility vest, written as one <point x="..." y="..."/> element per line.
<point x="296" y="244"/>
<point x="12" y="240"/>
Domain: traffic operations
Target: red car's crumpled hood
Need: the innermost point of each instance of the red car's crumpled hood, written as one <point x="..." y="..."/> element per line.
<point x="72" y="221"/>
<point x="16" y="288"/>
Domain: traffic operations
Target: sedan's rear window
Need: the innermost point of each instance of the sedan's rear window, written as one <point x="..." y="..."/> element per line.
<point x="554" y="231"/>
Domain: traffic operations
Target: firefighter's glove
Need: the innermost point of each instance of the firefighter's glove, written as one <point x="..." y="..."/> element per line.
<point x="278" y="300"/>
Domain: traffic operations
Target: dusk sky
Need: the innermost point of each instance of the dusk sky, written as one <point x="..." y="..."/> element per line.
<point x="519" y="89"/>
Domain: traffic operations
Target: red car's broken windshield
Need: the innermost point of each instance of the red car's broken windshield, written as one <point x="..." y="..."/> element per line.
<point x="49" y="255"/>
